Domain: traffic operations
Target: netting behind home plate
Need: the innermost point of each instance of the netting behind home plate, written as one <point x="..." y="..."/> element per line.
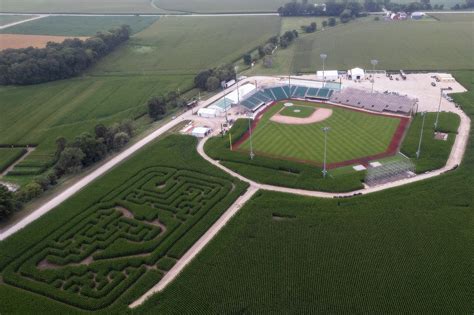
<point x="389" y="171"/>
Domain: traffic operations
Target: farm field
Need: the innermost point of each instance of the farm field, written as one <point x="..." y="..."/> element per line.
<point x="353" y="135"/>
<point x="366" y="39"/>
<point x="85" y="6"/>
<point x="7" y="19"/>
<point x="41" y="113"/>
<point x="434" y="153"/>
<point x="213" y="6"/>
<point x="108" y="244"/>
<point x="407" y="249"/>
<point x="175" y="44"/>
<point x="24" y="41"/>
<point x="79" y="25"/>
<point x="8" y="156"/>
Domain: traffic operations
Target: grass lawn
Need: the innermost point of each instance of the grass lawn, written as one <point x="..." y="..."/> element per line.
<point x="187" y="45"/>
<point x="404" y="250"/>
<point x="7" y="19"/>
<point x="434" y="153"/>
<point x="297" y="111"/>
<point x="397" y="46"/>
<point x="8" y="156"/>
<point x="353" y="135"/>
<point x="131" y="225"/>
<point x="79" y="25"/>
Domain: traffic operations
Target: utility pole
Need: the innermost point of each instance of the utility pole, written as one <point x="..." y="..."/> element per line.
<point x="323" y="57"/>
<point x="250" y="132"/>
<point x="423" y="114"/>
<point x="325" y="130"/>
<point x="374" y="62"/>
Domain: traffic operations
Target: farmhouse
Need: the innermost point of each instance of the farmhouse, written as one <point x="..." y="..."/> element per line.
<point x="356" y="74"/>
<point x="329" y="75"/>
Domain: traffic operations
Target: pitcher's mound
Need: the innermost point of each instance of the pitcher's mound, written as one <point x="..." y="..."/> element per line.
<point x="318" y="115"/>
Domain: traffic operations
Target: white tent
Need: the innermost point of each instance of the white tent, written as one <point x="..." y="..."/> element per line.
<point x="356" y="74"/>
<point x="207" y="112"/>
<point x="329" y="75"/>
<point x="201" y="132"/>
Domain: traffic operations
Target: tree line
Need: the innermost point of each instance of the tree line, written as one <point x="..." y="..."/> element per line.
<point x="58" y="60"/>
<point x="70" y="157"/>
<point x="210" y="79"/>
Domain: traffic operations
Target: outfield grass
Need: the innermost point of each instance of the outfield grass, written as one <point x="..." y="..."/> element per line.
<point x="434" y="153"/>
<point x="353" y="135"/>
<point x="279" y="172"/>
<point x="171" y="200"/>
<point x="396" y="45"/>
<point x="297" y="111"/>
<point x="7" y="19"/>
<point x="188" y="45"/>
<point x="8" y="156"/>
<point x="404" y="250"/>
<point x="79" y="25"/>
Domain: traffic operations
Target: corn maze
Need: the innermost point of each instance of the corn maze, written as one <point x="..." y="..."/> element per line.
<point x="132" y="235"/>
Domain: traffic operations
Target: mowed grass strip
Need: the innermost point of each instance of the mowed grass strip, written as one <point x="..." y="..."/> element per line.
<point x="353" y="134"/>
<point x="8" y="156"/>
<point x="297" y="111"/>
<point x="189" y="44"/>
<point x="79" y="25"/>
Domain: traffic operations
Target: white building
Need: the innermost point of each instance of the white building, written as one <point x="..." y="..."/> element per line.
<point x="327" y="75"/>
<point x="207" y="112"/>
<point x="201" y="132"/>
<point x="356" y="74"/>
<point x="444" y="77"/>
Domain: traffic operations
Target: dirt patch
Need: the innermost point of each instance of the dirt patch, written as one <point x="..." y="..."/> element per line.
<point x="23" y="41"/>
<point x="45" y="264"/>
<point x="441" y="136"/>
<point x="319" y="114"/>
<point x="125" y="212"/>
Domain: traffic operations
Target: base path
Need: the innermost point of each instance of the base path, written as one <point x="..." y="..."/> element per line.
<point x="318" y="115"/>
<point x="197" y="247"/>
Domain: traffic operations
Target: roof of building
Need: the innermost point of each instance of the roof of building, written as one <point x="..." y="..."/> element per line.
<point x="327" y="73"/>
<point x="243" y="91"/>
<point x="201" y="130"/>
<point x="210" y="111"/>
<point x="356" y="71"/>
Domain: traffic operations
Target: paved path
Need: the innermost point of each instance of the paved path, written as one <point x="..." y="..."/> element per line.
<point x="22" y="21"/>
<point x="151" y="14"/>
<point x="197" y="247"/>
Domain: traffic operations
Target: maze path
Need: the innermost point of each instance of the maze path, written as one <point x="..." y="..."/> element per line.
<point x="95" y="258"/>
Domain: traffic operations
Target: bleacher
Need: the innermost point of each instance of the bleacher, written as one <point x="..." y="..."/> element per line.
<point x="279" y="93"/>
<point x="378" y="102"/>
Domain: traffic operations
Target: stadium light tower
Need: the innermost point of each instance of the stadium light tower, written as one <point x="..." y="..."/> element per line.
<point x="250" y="132"/>
<point x="236" y="69"/>
<point x="323" y="58"/>
<point x="418" y="152"/>
<point x="439" y="108"/>
<point x="325" y="130"/>
<point x="374" y="62"/>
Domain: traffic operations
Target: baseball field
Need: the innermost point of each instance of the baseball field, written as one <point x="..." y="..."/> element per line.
<point x="295" y="133"/>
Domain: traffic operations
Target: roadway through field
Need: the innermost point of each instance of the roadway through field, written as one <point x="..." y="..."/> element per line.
<point x="22" y="21"/>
